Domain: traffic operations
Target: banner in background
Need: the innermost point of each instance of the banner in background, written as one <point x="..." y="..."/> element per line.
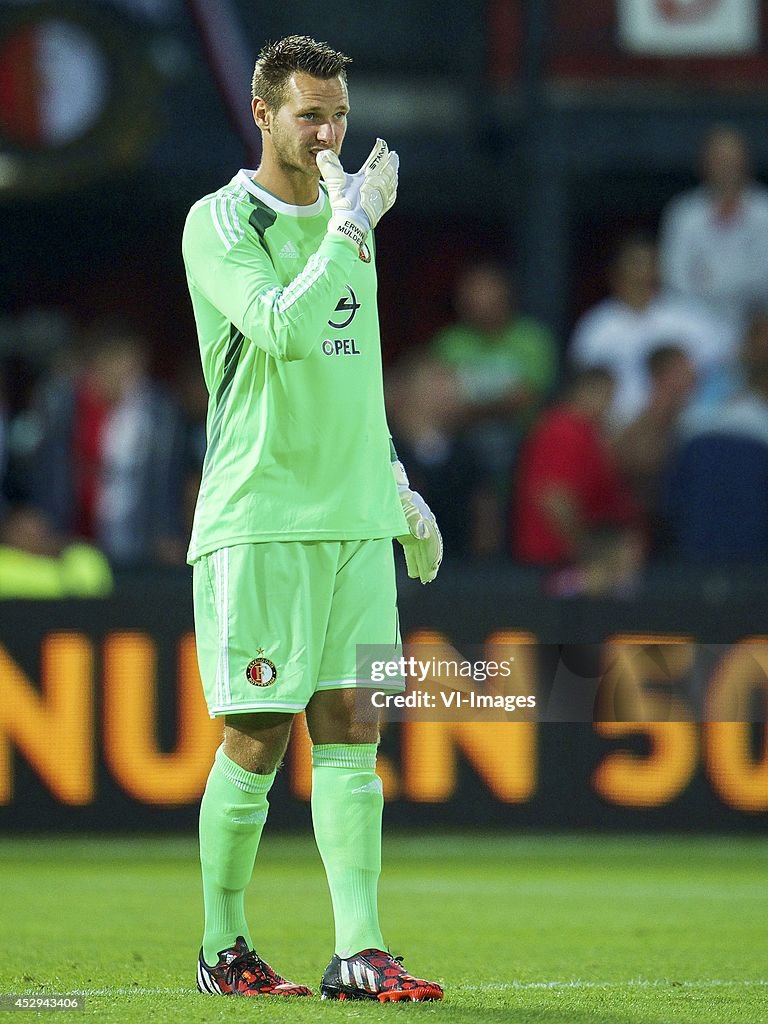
<point x="103" y="726"/>
<point x="687" y="28"/>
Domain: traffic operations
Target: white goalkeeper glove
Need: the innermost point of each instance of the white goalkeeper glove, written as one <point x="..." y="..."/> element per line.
<point x="359" y="201"/>
<point x="423" y="546"/>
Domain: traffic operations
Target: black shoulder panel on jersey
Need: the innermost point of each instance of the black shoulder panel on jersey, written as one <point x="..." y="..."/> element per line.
<point x="261" y="217"/>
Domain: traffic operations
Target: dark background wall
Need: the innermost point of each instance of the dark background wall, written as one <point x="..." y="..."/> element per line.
<point x="525" y="132"/>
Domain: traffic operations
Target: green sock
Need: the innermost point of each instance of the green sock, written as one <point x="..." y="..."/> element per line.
<point x="347" y="804"/>
<point x="232" y="815"/>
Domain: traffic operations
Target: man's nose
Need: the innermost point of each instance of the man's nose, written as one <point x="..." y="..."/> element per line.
<point x="325" y="133"/>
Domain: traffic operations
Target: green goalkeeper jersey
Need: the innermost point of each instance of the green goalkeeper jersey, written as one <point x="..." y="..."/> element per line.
<point x="298" y="444"/>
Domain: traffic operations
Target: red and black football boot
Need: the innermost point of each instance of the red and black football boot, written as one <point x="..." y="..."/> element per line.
<point x="241" y="972"/>
<point x="374" y="974"/>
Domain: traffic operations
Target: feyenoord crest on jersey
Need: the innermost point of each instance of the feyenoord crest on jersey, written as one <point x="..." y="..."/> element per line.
<point x="261" y="671"/>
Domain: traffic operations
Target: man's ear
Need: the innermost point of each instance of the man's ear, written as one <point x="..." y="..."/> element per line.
<point x="262" y="115"/>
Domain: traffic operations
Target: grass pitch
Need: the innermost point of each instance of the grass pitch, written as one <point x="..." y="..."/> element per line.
<point x="551" y="929"/>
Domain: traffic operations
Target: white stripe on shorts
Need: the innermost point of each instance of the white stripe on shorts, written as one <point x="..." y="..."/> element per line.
<point x="220" y="562"/>
<point x="225" y="642"/>
<point x="213" y="559"/>
<point x="229" y="709"/>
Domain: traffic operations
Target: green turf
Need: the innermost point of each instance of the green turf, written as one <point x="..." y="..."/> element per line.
<point x="554" y="929"/>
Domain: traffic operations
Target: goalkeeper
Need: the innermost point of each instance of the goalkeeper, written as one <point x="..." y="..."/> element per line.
<point x="300" y="498"/>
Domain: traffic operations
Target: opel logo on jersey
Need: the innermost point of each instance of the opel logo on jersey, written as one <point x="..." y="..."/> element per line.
<point x="346" y="304"/>
<point x="340" y="347"/>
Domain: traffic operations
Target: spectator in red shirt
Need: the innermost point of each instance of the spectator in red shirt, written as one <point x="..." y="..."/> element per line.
<point x="572" y="508"/>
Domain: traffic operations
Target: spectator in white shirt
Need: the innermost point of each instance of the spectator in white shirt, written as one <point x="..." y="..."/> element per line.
<point x="714" y="239"/>
<point x="620" y="332"/>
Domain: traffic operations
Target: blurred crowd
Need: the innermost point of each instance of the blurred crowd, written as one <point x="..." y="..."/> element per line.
<point x="643" y="436"/>
<point x="98" y="459"/>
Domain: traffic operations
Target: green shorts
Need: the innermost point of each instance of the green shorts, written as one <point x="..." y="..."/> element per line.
<point x="277" y="621"/>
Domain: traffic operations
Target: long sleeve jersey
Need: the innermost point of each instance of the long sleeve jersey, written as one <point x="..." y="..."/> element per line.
<point x="298" y="444"/>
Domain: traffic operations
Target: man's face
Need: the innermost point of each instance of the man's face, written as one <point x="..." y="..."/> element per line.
<point x="312" y="117"/>
<point x="484" y="299"/>
<point x="116" y="369"/>
<point x="636" y="271"/>
<point x="726" y="164"/>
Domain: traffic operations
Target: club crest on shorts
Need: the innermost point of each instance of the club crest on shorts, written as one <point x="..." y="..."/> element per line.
<point x="261" y="671"/>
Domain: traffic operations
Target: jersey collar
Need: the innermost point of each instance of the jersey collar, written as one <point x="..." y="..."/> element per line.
<point x="244" y="178"/>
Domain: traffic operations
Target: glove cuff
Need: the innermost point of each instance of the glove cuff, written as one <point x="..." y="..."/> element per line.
<point x="344" y="224"/>
<point x="401" y="477"/>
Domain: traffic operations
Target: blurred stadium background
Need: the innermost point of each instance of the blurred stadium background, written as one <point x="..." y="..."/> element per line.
<point x="535" y="136"/>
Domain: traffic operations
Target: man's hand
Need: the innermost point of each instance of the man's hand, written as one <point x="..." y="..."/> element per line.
<point x="423" y="546"/>
<point x="359" y="201"/>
